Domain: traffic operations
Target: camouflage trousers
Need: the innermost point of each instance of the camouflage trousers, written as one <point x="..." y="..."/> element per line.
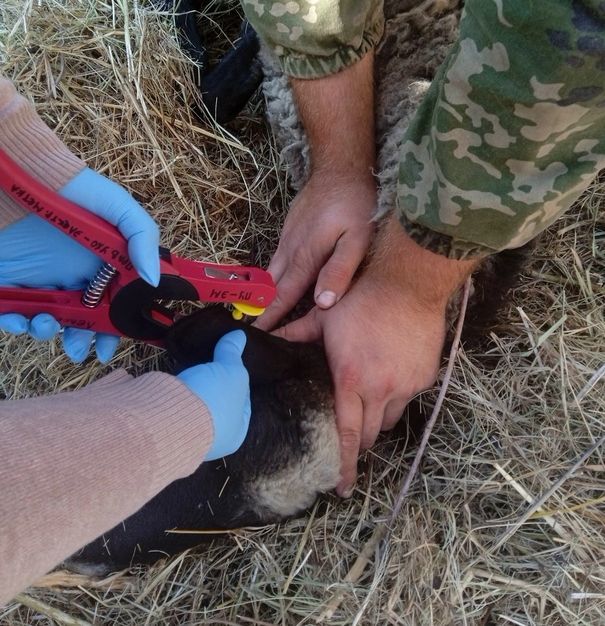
<point x="512" y="129"/>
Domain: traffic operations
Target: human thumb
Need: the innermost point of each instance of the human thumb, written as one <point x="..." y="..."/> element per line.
<point x="230" y="347"/>
<point x="305" y="329"/>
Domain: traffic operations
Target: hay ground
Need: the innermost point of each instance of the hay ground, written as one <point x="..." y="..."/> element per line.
<point x="472" y="545"/>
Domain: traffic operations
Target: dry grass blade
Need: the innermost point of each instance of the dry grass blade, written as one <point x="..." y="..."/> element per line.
<point x="64" y="578"/>
<point x="537" y="504"/>
<point x="54" y="614"/>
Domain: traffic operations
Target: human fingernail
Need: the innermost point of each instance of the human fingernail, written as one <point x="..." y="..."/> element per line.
<point x="347" y="492"/>
<point x="326" y="299"/>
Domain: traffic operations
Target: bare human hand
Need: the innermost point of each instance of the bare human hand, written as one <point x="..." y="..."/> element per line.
<point x="325" y="237"/>
<point x="383" y="340"/>
<point x="328" y="228"/>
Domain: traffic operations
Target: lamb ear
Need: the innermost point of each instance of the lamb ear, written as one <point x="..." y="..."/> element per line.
<point x="268" y="359"/>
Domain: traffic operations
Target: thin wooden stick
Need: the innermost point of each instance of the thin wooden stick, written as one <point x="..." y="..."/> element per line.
<point x="436" y="409"/>
<point x="383" y="530"/>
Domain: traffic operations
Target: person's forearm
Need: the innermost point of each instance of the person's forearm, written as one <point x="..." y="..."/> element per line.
<point x="329" y="224"/>
<point x="34" y="146"/>
<point x="337" y="113"/>
<point x="74" y="465"/>
<point x="423" y="279"/>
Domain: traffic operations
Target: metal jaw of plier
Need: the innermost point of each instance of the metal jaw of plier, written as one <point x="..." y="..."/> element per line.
<point x="118" y="301"/>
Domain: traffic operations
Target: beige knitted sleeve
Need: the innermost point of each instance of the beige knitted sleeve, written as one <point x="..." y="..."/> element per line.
<point x="74" y="465"/>
<point x="33" y="145"/>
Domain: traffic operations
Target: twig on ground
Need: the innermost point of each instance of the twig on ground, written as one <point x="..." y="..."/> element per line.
<point x="383" y="530"/>
<point x="436" y="409"/>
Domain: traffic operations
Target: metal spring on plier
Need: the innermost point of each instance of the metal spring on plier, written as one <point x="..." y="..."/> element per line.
<point x="96" y="288"/>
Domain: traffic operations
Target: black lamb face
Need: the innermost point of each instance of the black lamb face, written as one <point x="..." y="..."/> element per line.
<point x="290" y="454"/>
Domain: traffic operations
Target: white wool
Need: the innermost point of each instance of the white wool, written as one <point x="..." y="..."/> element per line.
<point x="297" y="486"/>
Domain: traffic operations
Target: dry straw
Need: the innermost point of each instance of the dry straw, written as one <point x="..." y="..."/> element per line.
<point x="501" y="525"/>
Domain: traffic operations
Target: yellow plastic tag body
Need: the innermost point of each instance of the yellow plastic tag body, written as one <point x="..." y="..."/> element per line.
<point x="241" y="308"/>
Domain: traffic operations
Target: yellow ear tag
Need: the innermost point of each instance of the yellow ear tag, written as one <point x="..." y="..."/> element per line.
<point x="240" y="309"/>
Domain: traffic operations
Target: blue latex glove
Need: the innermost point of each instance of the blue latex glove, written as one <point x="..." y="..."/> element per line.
<point x="35" y="254"/>
<point x="224" y="387"/>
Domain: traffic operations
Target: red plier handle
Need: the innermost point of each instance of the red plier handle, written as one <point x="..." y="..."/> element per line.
<point x="129" y="306"/>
